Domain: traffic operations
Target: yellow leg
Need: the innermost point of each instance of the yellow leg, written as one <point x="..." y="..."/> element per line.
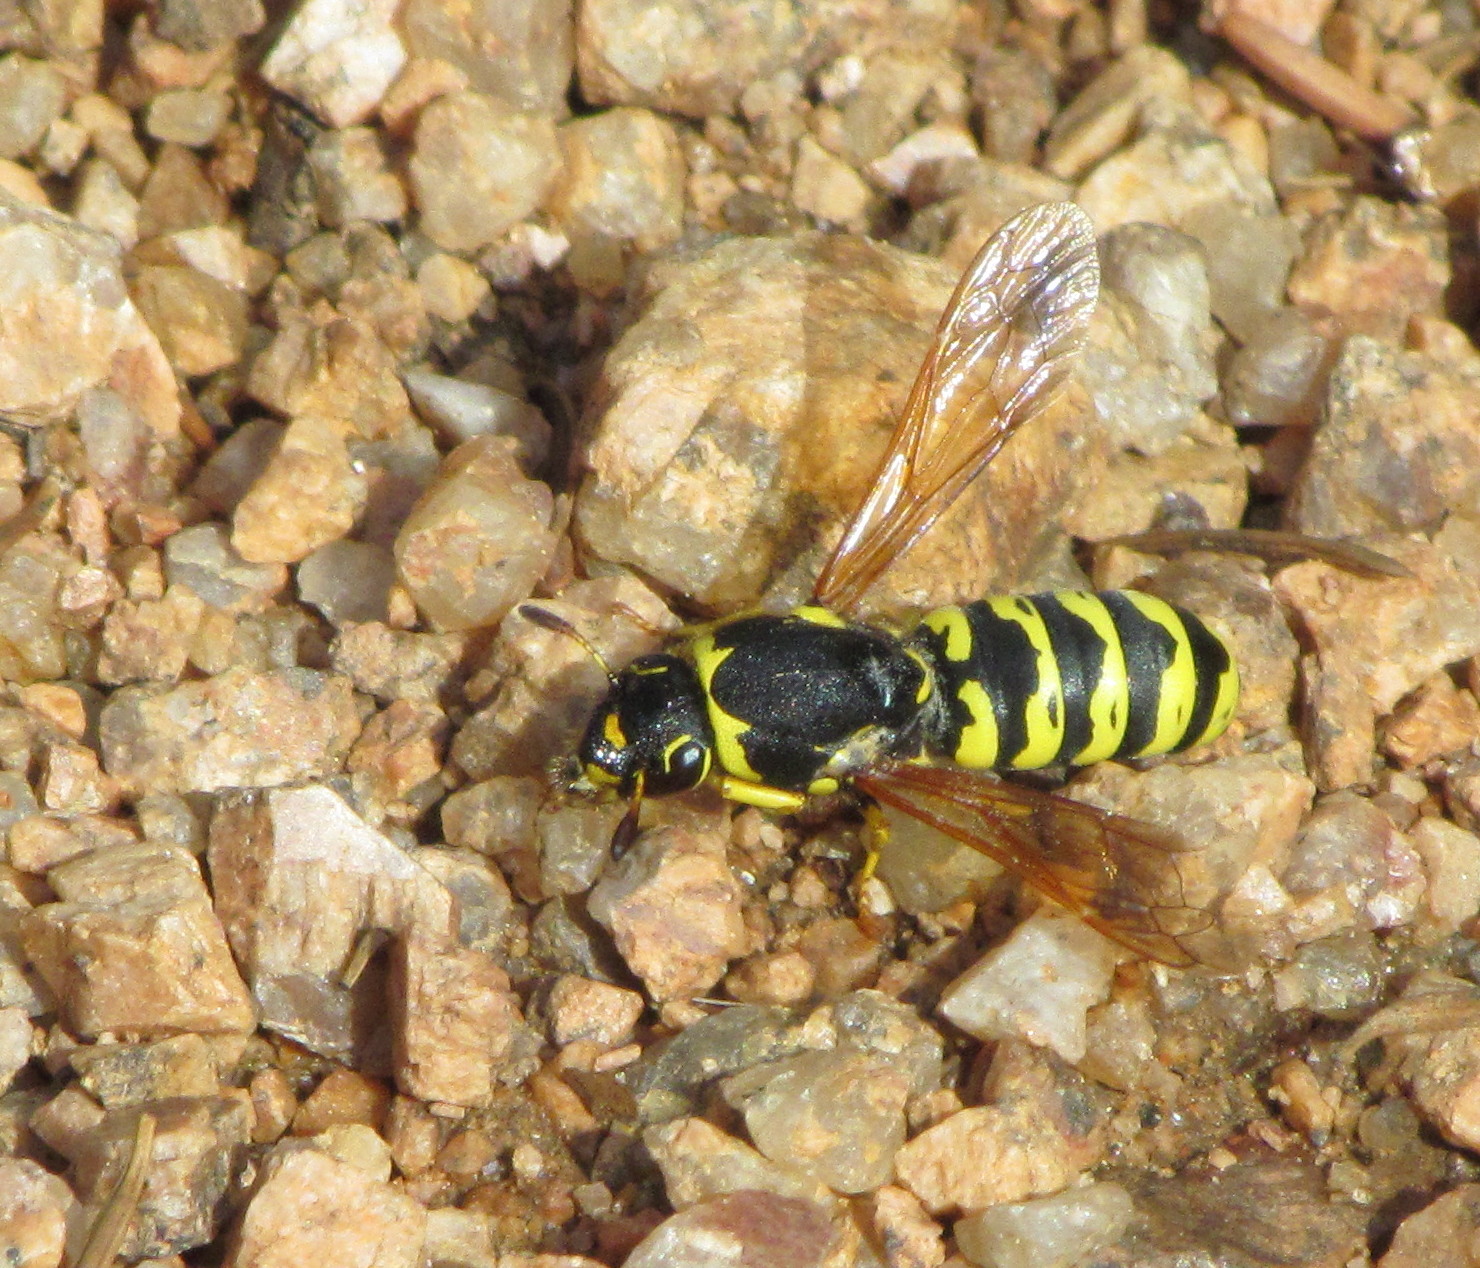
<point x="762" y="795"/>
<point x="875" y="838"/>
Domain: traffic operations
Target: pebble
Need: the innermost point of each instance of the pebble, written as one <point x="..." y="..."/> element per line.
<point x="1148" y="363"/>
<point x="341" y="370"/>
<point x="1434" y="1234"/>
<point x="478" y="539"/>
<point x="32" y="97"/>
<point x="1039" y="984"/>
<point x="535" y="43"/>
<point x="836" y="1117"/>
<point x="307" y="495"/>
<point x="1378" y="640"/>
<point x="1451" y="860"/>
<point x="349" y="582"/>
<point x="68" y="325"/>
<point x="1039" y="1130"/>
<point x="337" y="58"/>
<point x="548" y="684"/>
<point x="1269" y="1211"/>
<point x="460" y="410"/>
<point x="1106" y="113"/>
<point x="459" y="1019"/>
<point x="1394" y="451"/>
<point x="36" y="1208"/>
<point x="622" y="180"/>
<point x="737" y="354"/>
<point x="236" y="729"/>
<point x="479" y="167"/>
<point x="700" y="1162"/>
<point x="828" y="189"/>
<point x="308" y="1203"/>
<point x="353" y="179"/>
<point x="1174" y="170"/>
<point x="672" y="907"/>
<point x="1051" y="1232"/>
<point x="1377" y="264"/>
<point x="758" y="1230"/>
<point x="134" y="945"/>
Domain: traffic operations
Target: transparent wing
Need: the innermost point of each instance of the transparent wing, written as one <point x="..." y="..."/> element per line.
<point x="1119" y="875"/>
<point x="1003" y="345"/>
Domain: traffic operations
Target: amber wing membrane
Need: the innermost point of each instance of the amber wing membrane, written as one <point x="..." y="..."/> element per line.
<point x="1119" y="875"/>
<point x="1004" y="343"/>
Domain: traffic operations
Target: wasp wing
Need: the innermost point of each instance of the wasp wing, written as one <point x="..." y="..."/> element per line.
<point x="1119" y="875"/>
<point x="1004" y="343"/>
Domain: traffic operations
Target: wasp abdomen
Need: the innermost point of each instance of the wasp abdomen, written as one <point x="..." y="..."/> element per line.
<point x="1072" y="677"/>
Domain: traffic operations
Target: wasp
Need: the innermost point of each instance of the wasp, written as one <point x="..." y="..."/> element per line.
<point x="777" y="708"/>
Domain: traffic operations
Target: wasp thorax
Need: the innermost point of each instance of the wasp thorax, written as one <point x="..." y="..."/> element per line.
<point x="651" y="733"/>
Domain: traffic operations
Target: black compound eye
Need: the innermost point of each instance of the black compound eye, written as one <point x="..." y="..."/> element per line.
<point x="684" y="765"/>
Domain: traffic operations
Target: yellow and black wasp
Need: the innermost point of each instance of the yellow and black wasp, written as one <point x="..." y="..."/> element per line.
<point x="776" y="708"/>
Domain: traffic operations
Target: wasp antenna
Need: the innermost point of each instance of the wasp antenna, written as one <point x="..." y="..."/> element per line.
<point x="548" y="620"/>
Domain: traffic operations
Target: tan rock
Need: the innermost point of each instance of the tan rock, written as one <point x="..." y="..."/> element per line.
<point x="237" y="729"/>
<point x="134" y="945"/>
<point x="309" y="494"/>
<point x="1035" y="1136"/>
<point x="310" y="1208"/>
<point x="458" y="1020"/>
<point x="673" y="909"/>
<point x="35" y="1209"/>
<point x="583" y="1009"/>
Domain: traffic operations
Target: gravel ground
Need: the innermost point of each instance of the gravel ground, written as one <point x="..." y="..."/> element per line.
<point x="331" y="334"/>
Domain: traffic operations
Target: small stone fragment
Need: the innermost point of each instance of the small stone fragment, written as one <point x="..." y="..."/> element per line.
<point x="458" y="1019"/>
<point x="622" y="180"/>
<point x="348" y="581"/>
<point x="67" y="324"/>
<point x="700" y="1162"/>
<point x="1039" y="984"/>
<point x="1376" y="264"/>
<point x="1448" y="1225"/>
<point x="583" y="1009"/>
<point x="308" y="495"/>
<point x="341" y="371"/>
<point x="535" y="43"/>
<point x="135" y="946"/>
<point x="747" y="1228"/>
<point x="337" y="58"/>
<point x="352" y="179"/>
<point x="1042" y="1128"/>
<point x="239" y="729"/>
<point x="328" y="877"/>
<point x="312" y="1208"/>
<point x="478" y="168"/>
<point x="1451" y="860"/>
<point x="478" y="539"/>
<point x="827" y="189"/>
<point x="1104" y="115"/>
<point x="196" y="1140"/>
<point x="1053" y="1232"/>
<point x="36" y="1208"/>
<point x="202" y="560"/>
<point x="1172" y="172"/>
<point x="836" y="1117"/>
<point x="673" y="909"/>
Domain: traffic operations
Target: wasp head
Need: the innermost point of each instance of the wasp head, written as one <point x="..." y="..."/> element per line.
<point x="651" y="734"/>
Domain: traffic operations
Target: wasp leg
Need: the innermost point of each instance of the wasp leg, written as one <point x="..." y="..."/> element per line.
<point x="761" y="795"/>
<point x="875" y="838"/>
